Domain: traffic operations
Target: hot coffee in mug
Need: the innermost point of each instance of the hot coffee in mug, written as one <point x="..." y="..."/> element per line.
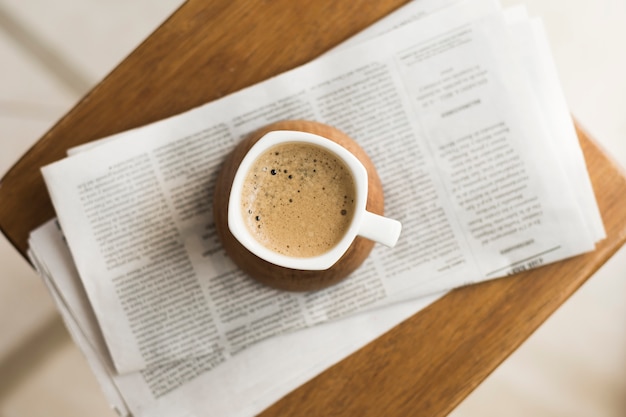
<point x="298" y="201"/>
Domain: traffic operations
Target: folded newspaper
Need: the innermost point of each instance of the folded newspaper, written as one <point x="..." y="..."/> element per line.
<point x="459" y="108"/>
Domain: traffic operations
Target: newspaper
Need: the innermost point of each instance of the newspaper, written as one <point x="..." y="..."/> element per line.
<point x="460" y="112"/>
<point x="452" y="127"/>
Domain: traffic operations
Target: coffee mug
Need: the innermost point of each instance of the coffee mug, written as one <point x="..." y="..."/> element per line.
<point x="298" y="200"/>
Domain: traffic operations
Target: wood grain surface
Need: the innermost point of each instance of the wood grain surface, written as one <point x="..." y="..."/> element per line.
<point x="274" y="275"/>
<point x="207" y="49"/>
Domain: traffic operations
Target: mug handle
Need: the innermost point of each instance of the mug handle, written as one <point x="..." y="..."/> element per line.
<point x="380" y="229"/>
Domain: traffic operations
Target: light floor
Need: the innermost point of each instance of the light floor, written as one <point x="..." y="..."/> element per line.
<point x="54" y="51"/>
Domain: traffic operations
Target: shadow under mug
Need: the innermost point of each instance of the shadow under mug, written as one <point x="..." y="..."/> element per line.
<point x="364" y="223"/>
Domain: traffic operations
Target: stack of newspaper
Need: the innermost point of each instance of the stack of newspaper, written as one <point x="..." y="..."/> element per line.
<point x="459" y="107"/>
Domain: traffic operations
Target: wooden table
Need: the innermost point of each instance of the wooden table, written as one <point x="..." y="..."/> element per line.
<point x="207" y="49"/>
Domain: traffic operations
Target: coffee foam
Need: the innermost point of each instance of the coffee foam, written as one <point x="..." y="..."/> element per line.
<point x="298" y="199"/>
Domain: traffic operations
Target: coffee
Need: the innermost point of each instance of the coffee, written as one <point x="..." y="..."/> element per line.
<point x="298" y="199"/>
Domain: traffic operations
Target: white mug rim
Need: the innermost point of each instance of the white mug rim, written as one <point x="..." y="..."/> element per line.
<point x="240" y="231"/>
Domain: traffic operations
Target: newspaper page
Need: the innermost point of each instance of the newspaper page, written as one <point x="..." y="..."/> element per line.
<point x="446" y="112"/>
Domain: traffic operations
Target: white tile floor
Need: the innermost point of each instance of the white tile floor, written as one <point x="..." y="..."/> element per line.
<point x="53" y="51"/>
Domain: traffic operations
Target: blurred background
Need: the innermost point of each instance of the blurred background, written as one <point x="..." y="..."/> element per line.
<point x="54" y="51"/>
